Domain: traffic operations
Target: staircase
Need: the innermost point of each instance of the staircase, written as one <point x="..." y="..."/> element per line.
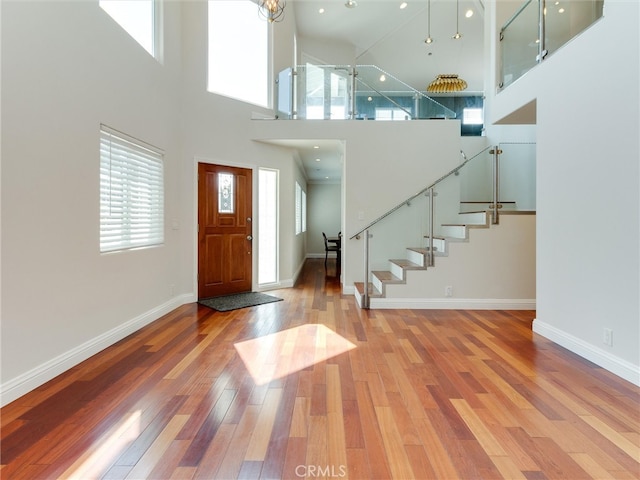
<point x="492" y="268"/>
<point x="417" y="258"/>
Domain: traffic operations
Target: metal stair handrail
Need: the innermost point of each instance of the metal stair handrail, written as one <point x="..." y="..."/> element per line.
<point x="421" y="192"/>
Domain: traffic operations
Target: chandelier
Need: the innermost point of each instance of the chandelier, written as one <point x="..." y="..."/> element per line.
<point x="447" y="83"/>
<point x="271" y="10"/>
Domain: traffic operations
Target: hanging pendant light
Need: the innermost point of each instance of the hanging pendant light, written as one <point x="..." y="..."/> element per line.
<point x="428" y="40"/>
<point x="447" y="83"/>
<point x="271" y="10"/>
<point x="458" y="35"/>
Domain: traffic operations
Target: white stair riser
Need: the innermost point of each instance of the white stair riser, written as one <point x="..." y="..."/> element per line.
<point x="377" y="284"/>
<point x="396" y="270"/>
<point x="439" y="244"/>
<point x="455" y="231"/>
<point x="475" y="218"/>
<point x="416" y="257"/>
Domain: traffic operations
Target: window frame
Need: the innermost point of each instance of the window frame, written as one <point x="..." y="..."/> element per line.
<point x="300" y="209"/>
<point x="213" y="71"/>
<point x="131" y="191"/>
<point x="268" y="225"/>
<point x="156" y="45"/>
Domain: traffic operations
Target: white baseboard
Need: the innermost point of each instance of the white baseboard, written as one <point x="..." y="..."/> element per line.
<point x="348" y="289"/>
<point x="22" y="384"/>
<point x="454" y="303"/>
<point x="602" y="358"/>
<point x="321" y="255"/>
<point x="275" y="286"/>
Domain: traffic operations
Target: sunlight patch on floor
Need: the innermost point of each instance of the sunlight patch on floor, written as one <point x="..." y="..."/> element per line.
<point x="99" y="458"/>
<point x="280" y="354"/>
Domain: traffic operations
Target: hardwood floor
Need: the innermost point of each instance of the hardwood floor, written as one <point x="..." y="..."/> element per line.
<point x="314" y="387"/>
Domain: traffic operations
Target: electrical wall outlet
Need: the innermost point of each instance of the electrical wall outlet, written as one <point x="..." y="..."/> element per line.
<point x="448" y="291"/>
<point x="607" y="336"/>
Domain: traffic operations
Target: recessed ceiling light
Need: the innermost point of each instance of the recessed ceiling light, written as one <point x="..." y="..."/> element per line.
<point x="321" y="10"/>
<point x="561" y="10"/>
<point x="351" y="4"/>
<point x="403" y="5"/>
<point x="469" y="13"/>
<point x="369" y="99"/>
<point x="383" y="77"/>
<point x="317" y="159"/>
<point x="316" y="146"/>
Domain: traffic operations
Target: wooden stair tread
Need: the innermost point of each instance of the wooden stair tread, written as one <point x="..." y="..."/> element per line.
<point x="386" y="276"/>
<point x="422" y="250"/>
<point x="485" y="201"/>
<point x="408" y="264"/>
<point x="359" y="286"/>
<point x="468" y="225"/>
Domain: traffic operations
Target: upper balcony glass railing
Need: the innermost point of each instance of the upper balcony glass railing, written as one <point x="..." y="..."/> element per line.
<point x="364" y="92"/>
<point x="537" y="29"/>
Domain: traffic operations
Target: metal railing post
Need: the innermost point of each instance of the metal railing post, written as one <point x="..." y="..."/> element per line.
<point x="542" y="48"/>
<point x="430" y="256"/>
<point x="293" y="97"/>
<point x="365" y="300"/>
<point x="352" y="113"/>
<point x="496" y="185"/>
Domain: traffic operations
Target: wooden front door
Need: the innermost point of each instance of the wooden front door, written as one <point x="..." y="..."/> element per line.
<point x="224" y="230"/>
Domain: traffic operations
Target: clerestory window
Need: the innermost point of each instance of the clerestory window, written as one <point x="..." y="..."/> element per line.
<point x="239" y="44"/>
<point x="140" y="19"/>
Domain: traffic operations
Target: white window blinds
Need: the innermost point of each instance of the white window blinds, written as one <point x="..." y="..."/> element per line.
<point x="131" y="193"/>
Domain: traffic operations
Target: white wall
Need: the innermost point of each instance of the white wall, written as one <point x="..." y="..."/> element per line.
<point x="61" y="299"/>
<point x="587" y="97"/>
<point x="383" y="162"/>
<point x="324" y="214"/>
<point x="216" y="129"/>
<point x="67" y="67"/>
<point x="327" y="52"/>
<point x="495" y="268"/>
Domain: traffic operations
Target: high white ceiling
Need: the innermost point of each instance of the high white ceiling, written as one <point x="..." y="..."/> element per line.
<point x="393" y="39"/>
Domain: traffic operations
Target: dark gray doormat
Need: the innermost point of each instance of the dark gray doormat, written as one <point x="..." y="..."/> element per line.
<point x="238" y="300"/>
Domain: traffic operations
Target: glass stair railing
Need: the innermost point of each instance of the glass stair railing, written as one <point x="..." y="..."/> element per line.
<point x="410" y="235"/>
<point x="363" y="92"/>
<point x="539" y="28"/>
